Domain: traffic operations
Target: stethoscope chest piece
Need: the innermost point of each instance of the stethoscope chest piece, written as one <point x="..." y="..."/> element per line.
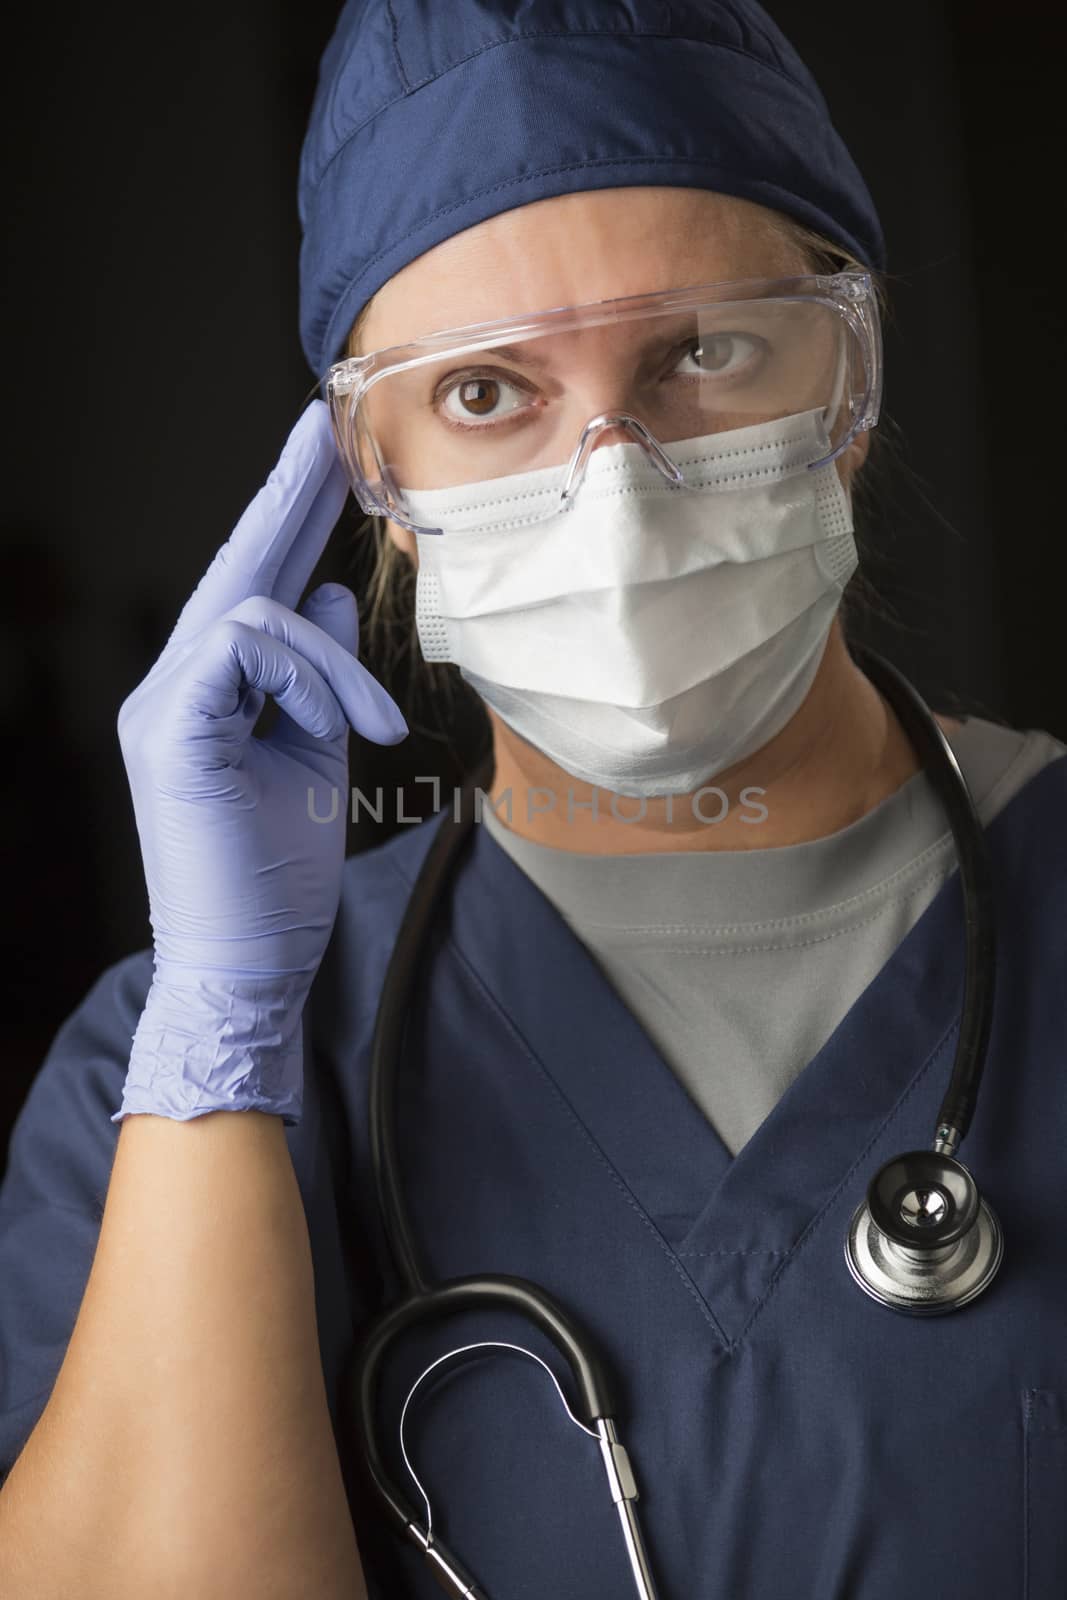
<point x="923" y="1240"/>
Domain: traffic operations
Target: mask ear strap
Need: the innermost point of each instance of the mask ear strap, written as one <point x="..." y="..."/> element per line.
<point x="586" y="443"/>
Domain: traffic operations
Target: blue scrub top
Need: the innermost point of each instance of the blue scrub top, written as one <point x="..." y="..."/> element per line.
<point x="790" y="1437"/>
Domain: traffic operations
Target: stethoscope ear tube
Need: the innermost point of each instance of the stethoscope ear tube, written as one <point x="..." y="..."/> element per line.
<point x="499" y="1292"/>
<point x="361" y="1386"/>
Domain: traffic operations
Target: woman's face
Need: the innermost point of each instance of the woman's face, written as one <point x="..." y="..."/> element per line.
<point x="594" y="245"/>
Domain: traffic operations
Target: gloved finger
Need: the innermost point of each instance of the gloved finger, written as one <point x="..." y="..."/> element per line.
<point x="313" y="678"/>
<point x="332" y="608"/>
<point x="284" y="511"/>
<point x="310" y="542"/>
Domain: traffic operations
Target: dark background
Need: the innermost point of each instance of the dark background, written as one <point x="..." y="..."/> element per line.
<point x="153" y="369"/>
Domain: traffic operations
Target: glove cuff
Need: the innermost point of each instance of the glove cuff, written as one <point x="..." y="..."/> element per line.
<point x="217" y="1044"/>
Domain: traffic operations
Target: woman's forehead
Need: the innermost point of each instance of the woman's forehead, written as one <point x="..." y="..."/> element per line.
<point x="595" y="245"/>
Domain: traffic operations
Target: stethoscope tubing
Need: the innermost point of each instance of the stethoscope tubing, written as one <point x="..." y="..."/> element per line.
<point x="976" y="884"/>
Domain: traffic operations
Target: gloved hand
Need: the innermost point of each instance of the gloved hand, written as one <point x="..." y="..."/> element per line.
<point x="243" y="882"/>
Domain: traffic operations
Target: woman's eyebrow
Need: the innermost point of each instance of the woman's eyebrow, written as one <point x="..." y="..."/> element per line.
<point x="524" y="356"/>
<point x="514" y="352"/>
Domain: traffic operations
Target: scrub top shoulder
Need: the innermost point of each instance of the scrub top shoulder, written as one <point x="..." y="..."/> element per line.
<point x="779" y="1421"/>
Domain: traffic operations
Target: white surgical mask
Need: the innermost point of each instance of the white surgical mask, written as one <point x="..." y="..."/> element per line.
<point x="649" y="637"/>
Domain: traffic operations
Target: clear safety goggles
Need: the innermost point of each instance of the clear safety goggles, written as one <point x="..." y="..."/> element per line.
<point x="540" y="392"/>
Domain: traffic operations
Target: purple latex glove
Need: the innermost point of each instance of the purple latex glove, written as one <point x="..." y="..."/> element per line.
<point x="243" y="883"/>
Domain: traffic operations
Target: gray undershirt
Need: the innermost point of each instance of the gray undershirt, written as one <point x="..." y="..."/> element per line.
<point x="741" y="963"/>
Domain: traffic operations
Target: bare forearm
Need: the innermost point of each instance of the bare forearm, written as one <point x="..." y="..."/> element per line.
<point x="186" y="1447"/>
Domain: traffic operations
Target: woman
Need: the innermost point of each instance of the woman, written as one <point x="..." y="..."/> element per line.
<point x="695" y="979"/>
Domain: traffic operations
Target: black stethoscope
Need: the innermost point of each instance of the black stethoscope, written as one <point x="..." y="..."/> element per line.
<point x="923" y="1241"/>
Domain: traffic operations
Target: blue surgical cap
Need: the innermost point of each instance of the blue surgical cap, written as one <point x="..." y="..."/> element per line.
<point x="432" y="115"/>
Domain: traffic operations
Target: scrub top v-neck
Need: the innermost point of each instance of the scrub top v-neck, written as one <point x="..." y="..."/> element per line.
<point x="740" y="963"/>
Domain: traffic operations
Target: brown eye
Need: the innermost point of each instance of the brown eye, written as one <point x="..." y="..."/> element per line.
<point x="479" y="396"/>
<point x="478" y="399"/>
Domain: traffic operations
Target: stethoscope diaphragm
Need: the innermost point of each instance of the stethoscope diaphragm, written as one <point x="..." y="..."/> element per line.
<point x="923" y="1240"/>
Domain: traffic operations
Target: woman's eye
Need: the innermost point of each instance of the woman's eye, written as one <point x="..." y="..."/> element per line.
<point x="721" y="353"/>
<point x="480" y="398"/>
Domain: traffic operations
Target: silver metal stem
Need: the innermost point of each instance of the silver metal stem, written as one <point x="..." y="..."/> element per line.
<point x="454" y="1580"/>
<point x="624" y="1493"/>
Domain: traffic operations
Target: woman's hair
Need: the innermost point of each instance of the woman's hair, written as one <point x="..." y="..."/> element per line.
<point x="384" y="577"/>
